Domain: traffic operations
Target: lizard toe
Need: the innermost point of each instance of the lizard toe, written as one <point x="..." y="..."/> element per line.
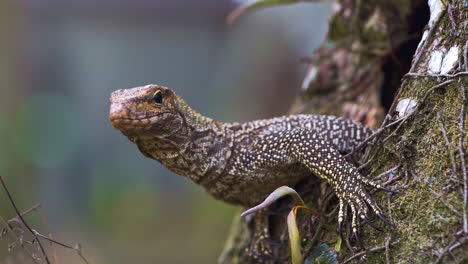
<point x="369" y="182"/>
<point x="343" y="206"/>
<point x="354" y="225"/>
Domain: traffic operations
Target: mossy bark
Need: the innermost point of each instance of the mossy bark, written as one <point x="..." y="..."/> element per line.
<point x="358" y="73"/>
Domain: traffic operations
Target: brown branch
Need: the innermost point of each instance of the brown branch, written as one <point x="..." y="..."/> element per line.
<point x="46" y="225"/>
<point x="35" y="233"/>
<point x="450" y="15"/>
<point x="449" y="206"/>
<point x="370" y="159"/>
<point x="389" y="181"/>
<point x="76" y="248"/>
<point x="17" y="239"/>
<point x="381" y="175"/>
<point x="23" y="221"/>
<point x="387" y="251"/>
<point x="369" y="138"/>
<point x="458" y="74"/>
<point x="390" y="218"/>
<point x="27" y="211"/>
<point x="465" y="55"/>
<point x="368" y="251"/>
<point x="451" y="246"/>
<point x="447" y="144"/>
<point x="462" y="157"/>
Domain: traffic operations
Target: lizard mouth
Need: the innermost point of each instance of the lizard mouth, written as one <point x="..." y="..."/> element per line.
<point x="124" y="119"/>
<point x="130" y="123"/>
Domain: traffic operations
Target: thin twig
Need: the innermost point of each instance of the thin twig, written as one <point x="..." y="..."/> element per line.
<point x="51" y="240"/>
<point x="404" y="119"/>
<point x="27" y="211"/>
<point x="23" y="221"/>
<point x="368" y="251"/>
<point x="34" y="232"/>
<point x="450" y="15"/>
<point x="17" y="239"/>
<point x="381" y="175"/>
<point x="465" y="55"/>
<point x="77" y="248"/>
<point x="387" y="251"/>
<point x="436" y="87"/>
<point x="369" y="138"/>
<point x="46" y="225"/>
<point x="452" y="245"/>
<point x="390" y="181"/>
<point x="447" y="144"/>
<point x="16" y="219"/>
<point x="390" y="217"/>
<point x="462" y="157"/>
<point x="389" y="202"/>
<point x="457" y="244"/>
<point x="387" y="182"/>
<point x="445" y="202"/>
<point x="458" y="74"/>
<point x="370" y="159"/>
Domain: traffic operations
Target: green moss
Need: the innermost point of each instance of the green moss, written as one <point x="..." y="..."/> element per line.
<point x="339" y="29"/>
<point x="422" y="221"/>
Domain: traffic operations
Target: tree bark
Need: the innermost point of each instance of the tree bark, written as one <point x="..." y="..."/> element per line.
<point x="359" y="73"/>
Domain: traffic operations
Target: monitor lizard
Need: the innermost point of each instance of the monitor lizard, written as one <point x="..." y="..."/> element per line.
<point x="242" y="163"/>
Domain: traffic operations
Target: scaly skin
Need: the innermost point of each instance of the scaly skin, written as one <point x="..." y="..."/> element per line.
<point x="241" y="163"/>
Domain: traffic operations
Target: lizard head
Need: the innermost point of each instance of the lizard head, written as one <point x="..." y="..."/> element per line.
<point x="150" y="109"/>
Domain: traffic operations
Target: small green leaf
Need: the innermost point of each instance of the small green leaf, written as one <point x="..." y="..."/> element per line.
<point x="254" y="4"/>
<point x="338" y="244"/>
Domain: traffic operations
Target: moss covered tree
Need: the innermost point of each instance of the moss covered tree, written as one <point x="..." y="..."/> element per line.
<point x="400" y="67"/>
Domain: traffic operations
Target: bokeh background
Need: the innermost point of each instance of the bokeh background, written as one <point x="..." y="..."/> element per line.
<point x="60" y="60"/>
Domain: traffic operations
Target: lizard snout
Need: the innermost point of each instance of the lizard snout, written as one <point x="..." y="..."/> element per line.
<point x="125" y="114"/>
<point x="118" y="115"/>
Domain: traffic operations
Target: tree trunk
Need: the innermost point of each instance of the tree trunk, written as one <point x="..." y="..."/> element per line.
<point x="359" y="73"/>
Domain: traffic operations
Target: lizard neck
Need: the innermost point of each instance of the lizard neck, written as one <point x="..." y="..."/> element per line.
<point x="192" y="119"/>
<point x="194" y="145"/>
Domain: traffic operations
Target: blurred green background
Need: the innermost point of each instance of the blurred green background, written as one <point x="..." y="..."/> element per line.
<point x="60" y="60"/>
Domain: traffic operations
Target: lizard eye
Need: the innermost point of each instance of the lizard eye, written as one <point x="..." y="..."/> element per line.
<point x="157" y="97"/>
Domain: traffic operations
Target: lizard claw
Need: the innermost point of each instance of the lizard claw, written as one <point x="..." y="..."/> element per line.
<point x="358" y="239"/>
<point x="386" y="221"/>
<point x="359" y="201"/>
<point x="369" y="222"/>
<point x="340" y="229"/>
<point x="372" y="183"/>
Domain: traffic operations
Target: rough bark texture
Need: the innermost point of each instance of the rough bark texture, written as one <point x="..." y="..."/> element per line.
<point x="356" y="73"/>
